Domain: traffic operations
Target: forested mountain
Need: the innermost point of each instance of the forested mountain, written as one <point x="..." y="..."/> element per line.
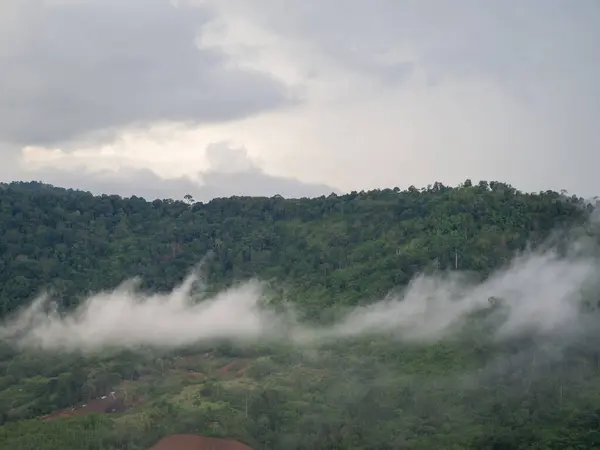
<point x="326" y="253"/>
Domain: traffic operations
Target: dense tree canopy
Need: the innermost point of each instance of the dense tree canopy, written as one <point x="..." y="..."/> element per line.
<point x="329" y="252"/>
<point x="350" y="247"/>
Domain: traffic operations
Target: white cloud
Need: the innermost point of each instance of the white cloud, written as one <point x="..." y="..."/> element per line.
<point x="485" y="91"/>
<point x="227" y="171"/>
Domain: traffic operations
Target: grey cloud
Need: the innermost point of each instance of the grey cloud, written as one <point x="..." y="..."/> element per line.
<point x="466" y="38"/>
<point x="124" y="182"/>
<point x="222" y="157"/>
<point x="259" y="184"/>
<point x="233" y="172"/>
<point x="72" y="68"/>
<point x="146" y="184"/>
<point x="537" y="57"/>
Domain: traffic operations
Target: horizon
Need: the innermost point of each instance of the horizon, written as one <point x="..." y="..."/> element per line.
<point x="563" y="193"/>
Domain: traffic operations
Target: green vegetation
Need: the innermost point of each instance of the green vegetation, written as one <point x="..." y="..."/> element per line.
<point x="326" y="254"/>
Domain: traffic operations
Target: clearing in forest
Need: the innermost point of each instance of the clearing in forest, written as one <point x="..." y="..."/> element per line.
<point x="197" y="442"/>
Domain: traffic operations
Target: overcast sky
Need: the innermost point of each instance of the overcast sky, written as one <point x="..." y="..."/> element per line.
<point x="260" y="97"/>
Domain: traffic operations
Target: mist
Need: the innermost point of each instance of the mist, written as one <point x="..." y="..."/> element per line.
<point x="126" y="317"/>
<point x="538" y="292"/>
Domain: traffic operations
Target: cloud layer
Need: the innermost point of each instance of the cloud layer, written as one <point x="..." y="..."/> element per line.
<point x="74" y="68"/>
<point x="230" y="171"/>
<point x="351" y="94"/>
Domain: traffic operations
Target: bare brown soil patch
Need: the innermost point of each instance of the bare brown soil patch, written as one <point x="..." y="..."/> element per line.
<point x="235" y="367"/>
<point x="197" y="442"/>
<point x="107" y="404"/>
<point x="192" y="362"/>
<point x="195" y="376"/>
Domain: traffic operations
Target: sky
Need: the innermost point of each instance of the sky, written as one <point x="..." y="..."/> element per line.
<point x="161" y="98"/>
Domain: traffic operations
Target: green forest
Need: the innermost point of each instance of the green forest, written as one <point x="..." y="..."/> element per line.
<point x="325" y="256"/>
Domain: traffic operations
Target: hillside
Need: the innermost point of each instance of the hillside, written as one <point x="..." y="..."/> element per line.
<point x="461" y="388"/>
<point x="340" y="249"/>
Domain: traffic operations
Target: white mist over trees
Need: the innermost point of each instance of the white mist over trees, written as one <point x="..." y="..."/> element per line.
<point x="540" y="292"/>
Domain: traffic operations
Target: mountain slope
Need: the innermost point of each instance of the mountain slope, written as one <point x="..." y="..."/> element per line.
<point x="471" y="387"/>
<point x="339" y="248"/>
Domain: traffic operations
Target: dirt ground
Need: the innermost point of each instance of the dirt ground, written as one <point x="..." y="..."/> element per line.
<point x="235" y="367"/>
<point x="197" y="442"/>
<point x="107" y="404"/>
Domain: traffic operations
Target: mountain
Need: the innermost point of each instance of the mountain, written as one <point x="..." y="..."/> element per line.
<point x="491" y="358"/>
